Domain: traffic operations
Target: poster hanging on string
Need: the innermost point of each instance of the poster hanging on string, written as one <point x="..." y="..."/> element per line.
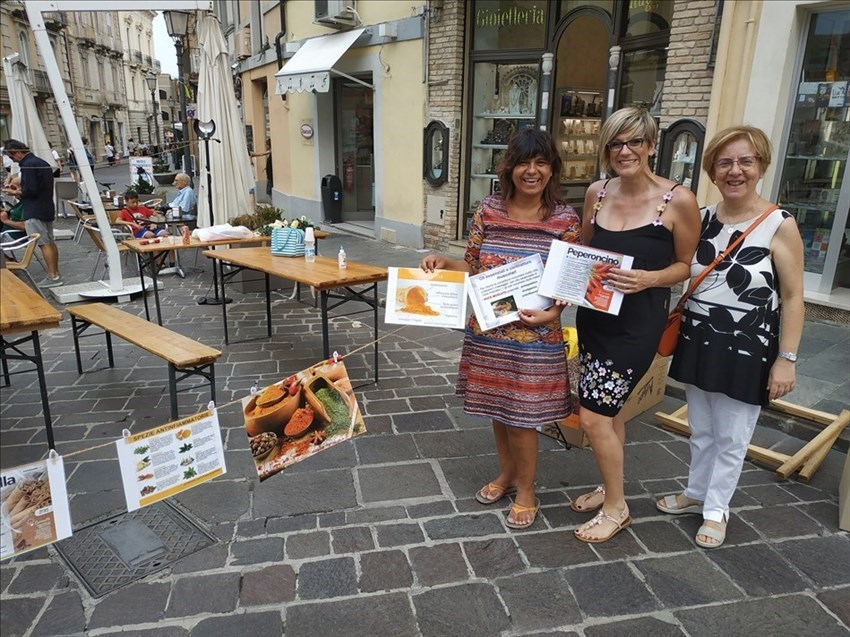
<point x="167" y="460"/>
<point x="429" y="299"/>
<point x="300" y="416"/>
<point x="33" y="506"/>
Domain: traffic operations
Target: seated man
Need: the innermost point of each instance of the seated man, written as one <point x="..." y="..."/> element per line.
<point x="185" y="199"/>
<point x="135" y="216"/>
<point x="12" y="225"/>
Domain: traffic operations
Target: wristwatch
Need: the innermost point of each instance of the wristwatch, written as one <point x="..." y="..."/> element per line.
<point x="791" y="357"/>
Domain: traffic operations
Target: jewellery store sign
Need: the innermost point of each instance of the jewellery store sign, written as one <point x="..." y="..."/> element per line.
<point x="511" y="23"/>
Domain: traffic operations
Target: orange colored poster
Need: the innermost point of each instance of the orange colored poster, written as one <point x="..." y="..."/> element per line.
<point x="430" y="299"/>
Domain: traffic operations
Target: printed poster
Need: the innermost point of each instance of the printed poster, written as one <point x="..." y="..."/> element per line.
<point x="838" y="94"/>
<point x="300" y="416"/>
<point x="576" y="274"/>
<point x="499" y="294"/>
<point x="431" y="299"/>
<point x="33" y="506"/>
<point x="161" y="462"/>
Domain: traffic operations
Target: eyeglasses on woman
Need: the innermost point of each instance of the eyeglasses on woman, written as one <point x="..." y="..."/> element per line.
<point x="747" y="162"/>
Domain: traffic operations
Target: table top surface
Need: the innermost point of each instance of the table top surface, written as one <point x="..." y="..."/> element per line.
<point x="175" y="242"/>
<point x="21" y="307"/>
<point x="322" y="274"/>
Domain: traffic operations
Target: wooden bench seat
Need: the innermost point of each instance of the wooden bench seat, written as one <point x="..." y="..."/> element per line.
<point x="181" y="353"/>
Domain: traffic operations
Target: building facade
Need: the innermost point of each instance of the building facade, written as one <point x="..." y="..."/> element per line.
<point x="142" y="119"/>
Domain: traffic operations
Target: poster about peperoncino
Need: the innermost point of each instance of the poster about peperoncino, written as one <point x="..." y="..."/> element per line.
<point x="300" y="416"/>
<point x="33" y="506"/>
<point x="167" y="460"/>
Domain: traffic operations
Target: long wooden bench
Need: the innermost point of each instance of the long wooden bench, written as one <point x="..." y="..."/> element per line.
<point x="181" y="353"/>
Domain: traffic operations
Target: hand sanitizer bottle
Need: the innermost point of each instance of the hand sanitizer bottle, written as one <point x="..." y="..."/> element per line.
<point x="309" y="245"/>
<point x="341" y="258"/>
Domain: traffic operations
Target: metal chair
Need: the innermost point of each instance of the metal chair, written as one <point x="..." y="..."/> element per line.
<point x="22" y="262"/>
<point x="94" y="232"/>
<point x="82" y="219"/>
<point x="66" y="189"/>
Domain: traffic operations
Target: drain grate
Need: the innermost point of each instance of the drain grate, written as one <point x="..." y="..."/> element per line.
<point x="127" y="547"/>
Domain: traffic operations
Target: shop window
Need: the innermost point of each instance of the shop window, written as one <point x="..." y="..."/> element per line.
<point x="509" y="24"/>
<point x="648" y="17"/>
<point x="815" y="163"/>
<point x="643" y="78"/>
<point x="569" y="5"/>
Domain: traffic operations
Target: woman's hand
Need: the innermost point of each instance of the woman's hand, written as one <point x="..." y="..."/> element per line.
<point x="533" y="318"/>
<point x="631" y="281"/>
<point x="434" y="262"/>
<point x="782" y="379"/>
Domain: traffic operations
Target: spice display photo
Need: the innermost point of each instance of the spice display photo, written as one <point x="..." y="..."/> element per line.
<point x="300" y="416"/>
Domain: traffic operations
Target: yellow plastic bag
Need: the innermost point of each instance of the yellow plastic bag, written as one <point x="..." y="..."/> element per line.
<point x="570" y="335"/>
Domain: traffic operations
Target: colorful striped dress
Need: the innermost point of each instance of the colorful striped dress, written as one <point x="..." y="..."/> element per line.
<point x="514" y="374"/>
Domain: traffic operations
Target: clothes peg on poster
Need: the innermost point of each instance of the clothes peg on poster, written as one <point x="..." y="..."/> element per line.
<point x="53" y="456"/>
<point x="254" y="388"/>
<point x="336" y="357"/>
<point x="125" y="433"/>
<point x="211" y="406"/>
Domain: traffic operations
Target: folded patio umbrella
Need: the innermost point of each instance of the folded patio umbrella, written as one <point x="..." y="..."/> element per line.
<point x="26" y="126"/>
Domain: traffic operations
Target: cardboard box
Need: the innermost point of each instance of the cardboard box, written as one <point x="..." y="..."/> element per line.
<point x="649" y="392"/>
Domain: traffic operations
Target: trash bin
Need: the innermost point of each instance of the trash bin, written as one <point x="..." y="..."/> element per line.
<point x="332" y="198"/>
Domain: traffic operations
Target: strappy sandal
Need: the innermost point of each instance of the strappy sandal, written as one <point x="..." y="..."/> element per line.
<point x="491" y="493"/>
<point x="718" y="535"/>
<point x="602" y="518"/>
<point x="584" y="497"/>
<point x="670" y="504"/>
<point x="519" y="509"/>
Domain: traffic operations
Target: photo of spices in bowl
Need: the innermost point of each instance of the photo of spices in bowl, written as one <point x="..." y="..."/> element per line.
<point x="504" y="306"/>
<point x="330" y="403"/>
<point x="414" y="300"/>
<point x="271" y="409"/>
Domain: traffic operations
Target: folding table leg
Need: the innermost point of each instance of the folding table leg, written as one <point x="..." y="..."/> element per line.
<point x="172" y="389"/>
<point x="77" y="344"/>
<point x="7" y="380"/>
<point x="42" y="385"/>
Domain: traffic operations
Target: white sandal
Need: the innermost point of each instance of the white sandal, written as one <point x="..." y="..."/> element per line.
<point x="620" y="522"/>
<point x="600" y="490"/>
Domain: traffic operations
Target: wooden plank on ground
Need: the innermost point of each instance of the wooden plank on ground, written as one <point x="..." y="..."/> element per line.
<point x="820" y="417"/>
<point x="796" y="461"/>
<point x="816" y="459"/>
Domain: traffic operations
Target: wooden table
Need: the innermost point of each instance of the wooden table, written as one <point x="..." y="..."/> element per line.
<point x="23" y="311"/>
<point x="323" y="274"/>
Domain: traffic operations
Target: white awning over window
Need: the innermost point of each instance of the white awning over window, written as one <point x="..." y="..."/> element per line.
<point x="310" y="68"/>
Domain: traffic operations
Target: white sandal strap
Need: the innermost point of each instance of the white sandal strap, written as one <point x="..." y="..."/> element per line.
<point x="714" y="534"/>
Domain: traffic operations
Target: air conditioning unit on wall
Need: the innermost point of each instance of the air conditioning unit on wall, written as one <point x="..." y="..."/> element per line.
<point x="243" y="43"/>
<point x="336" y="13"/>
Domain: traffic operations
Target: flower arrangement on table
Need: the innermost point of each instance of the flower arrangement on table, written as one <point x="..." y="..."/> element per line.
<point x="300" y="223"/>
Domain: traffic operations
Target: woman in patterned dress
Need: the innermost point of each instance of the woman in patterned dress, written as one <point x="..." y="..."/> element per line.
<point x="736" y="350"/>
<point x="649" y="218"/>
<point x="516" y="374"/>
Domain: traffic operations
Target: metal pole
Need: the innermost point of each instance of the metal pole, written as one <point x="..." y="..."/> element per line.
<point x="181" y="87"/>
<point x="155" y="119"/>
<point x="546" y="87"/>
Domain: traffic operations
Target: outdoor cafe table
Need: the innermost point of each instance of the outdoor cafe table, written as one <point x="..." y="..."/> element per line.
<point x="323" y="275"/>
<point x="22" y="310"/>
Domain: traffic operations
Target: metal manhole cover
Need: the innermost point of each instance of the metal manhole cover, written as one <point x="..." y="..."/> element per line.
<point x="127" y="547"/>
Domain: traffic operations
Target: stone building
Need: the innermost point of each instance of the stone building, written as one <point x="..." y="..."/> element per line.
<point x="142" y="121"/>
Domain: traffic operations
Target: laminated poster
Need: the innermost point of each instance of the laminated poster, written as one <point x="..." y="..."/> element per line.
<point x="298" y="417"/>
<point x="576" y="274"/>
<point x="161" y="462"/>
<point x="33" y="506"/>
<point x="430" y="299"/>
<point x="499" y="294"/>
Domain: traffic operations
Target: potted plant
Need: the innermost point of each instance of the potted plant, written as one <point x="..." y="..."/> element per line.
<point x="162" y="171"/>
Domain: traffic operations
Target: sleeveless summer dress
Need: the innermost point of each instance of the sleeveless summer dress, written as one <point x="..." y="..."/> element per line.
<point x="514" y="373"/>
<point x="730" y="328"/>
<point x="616" y="351"/>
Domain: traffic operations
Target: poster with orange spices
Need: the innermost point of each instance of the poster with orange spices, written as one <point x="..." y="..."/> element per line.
<point x="300" y="416"/>
<point x="429" y="299"/>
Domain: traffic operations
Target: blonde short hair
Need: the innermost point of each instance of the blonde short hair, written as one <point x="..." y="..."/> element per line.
<point x="631" y="118"/>
<point x="756" y="137"/>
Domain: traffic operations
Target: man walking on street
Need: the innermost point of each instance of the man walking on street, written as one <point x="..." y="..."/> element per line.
<point x="36" y="195"/>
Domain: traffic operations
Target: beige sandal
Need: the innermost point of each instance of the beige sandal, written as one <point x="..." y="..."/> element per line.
<point x="620" y="522"/>
<point x="518" y="509"/>
<point x="584" y="497"/>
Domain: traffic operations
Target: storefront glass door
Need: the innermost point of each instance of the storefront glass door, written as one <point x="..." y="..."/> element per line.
<point x="355" y="151"/>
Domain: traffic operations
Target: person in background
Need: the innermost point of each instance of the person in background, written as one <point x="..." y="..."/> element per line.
<point x="58" y="159"/>
<point x="185" y="199"/>
<point x="516" y="374"/>
<point x="131" y="146"/>
<point x="639" y="214"/>
<point x="736" y="350"/>
<point x="268" y="155"/>
<point x="135" y="216"/>
<point x="36" y="195"/>
<point x="12" y="226"/>
<point x="109" y="151"/>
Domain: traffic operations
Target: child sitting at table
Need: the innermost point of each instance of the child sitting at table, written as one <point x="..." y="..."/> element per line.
<point x="136" y="217"/>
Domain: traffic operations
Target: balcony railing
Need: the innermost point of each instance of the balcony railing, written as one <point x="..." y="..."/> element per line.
<point x="137" y="57"/>
<point x="54" y="20"/>
<point x="39" y="81"/>
<point x="148" y="61"/>
<point x="157" y="66"/>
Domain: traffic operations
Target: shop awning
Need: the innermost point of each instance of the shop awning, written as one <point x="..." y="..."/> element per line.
<point x="310" y="68"/>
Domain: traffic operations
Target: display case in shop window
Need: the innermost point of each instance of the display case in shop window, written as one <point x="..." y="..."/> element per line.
<point x="579" y="118"/>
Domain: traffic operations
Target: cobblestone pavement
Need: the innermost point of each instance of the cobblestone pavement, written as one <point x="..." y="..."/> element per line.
<point x="381" y="536"/>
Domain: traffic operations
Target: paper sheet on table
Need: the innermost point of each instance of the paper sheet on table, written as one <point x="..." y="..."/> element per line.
<point x="499" y="294"/>
<point x="576" y="274"/>
<point x="429" y="299"/>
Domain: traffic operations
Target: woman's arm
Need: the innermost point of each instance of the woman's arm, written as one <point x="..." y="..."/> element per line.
<point x="787" y="252"/>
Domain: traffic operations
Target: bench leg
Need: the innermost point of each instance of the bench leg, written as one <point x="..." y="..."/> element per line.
<point x="7" y="380"/>
<point x="172" y="389"/>
<point x="212" y="382"/>
<point x="77" y="330"/>
<point x="109" y="349"/>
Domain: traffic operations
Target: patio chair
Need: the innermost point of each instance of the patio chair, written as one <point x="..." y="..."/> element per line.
<point x="22" y="259"/>
<point x="66" y="189"/>
<point x="154" y="203"/>
<point x="82" y="219"/>
<point x="94" y="232"/>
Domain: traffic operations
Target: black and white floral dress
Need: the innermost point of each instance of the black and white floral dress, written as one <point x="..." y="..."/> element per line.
<point x="730" y="329"/>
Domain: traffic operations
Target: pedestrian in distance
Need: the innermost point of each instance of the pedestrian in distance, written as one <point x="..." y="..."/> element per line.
<point x="58" y="159"/>
<point x="639" y="214"/>
<point x="736" y="350"/>
<point x="36" y="194"/>
<point x="516" y="374"/>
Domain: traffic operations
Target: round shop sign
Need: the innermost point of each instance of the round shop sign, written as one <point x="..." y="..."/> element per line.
<point x="306" y="131"/>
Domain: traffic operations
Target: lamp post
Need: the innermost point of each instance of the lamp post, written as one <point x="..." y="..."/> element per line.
<point x="151" y="81"/>
<point x="177" y="24"/>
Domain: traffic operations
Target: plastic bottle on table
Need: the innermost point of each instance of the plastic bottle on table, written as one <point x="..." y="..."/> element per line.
<point x="341" y="258"/>
<point x="309" y="245"/>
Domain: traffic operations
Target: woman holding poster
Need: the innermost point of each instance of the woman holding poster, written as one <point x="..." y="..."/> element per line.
<point x="649" y="218"/>
<point x="516" y="373"/>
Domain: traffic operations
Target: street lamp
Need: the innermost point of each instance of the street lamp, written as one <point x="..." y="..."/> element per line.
<point x="151" y="81"/>
<point x="177" y="24"/>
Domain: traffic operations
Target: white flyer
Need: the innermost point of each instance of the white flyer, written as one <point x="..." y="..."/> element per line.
<point x="576" y="274"/>
<point x="161" y="462"/>
<point x="499" y="294"/>
<point x="33" y="506"/>
<point x="430" y="299"/>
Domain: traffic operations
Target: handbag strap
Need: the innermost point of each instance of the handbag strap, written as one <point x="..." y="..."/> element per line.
<point x="720" y="257"/>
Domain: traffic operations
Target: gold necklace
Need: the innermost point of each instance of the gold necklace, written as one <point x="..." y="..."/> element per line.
<point x="730" y="226"/>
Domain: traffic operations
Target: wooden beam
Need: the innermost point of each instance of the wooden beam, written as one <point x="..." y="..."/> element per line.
<point x="797" y="460"/>
<point x="815" y="460"/>
<point x="820" y="417"/>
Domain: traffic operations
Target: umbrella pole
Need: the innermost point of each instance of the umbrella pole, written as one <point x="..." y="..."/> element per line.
<point x="205" y="300"/>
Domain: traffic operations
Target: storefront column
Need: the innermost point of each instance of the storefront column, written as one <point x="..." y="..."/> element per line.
<point x="613" y="68"/>
<point x="546" y="87"/>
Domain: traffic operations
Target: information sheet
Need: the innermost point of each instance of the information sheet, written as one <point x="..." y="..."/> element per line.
<point x="161" y="462"/>
<point x="431" y="299"/>
<point x="499" y="294"/>
<point x="576" y="274"/>
<point x="33" y="506"/>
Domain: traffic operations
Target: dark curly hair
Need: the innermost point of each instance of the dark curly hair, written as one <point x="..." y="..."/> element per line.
<point x="525" y="145"/>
